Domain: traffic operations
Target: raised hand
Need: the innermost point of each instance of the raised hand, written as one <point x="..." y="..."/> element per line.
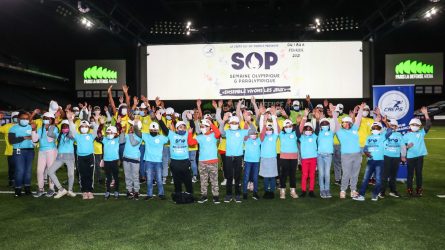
<point x="135" y="100"/>
<point x="220" y="103"/>
<point x="69" y="115"/>
<point x="158" y="101"/>
<point x="306" y="112"/>
<point x="252" y="99"/>
<point x="158" y="115"/>
<point x="215" y="106"/>
<point x="198" y="103"/>
<point x="273" y="110"/>
<point x="125" y="88"/>
<point x="109" y="89"/>
<point x="308" y="98"/>
<point x="331" y="107"/>
<point x="143" y="98"/>
<point x="288" y="102"/>
<point x="106" y="109"/>
<point x="424" y="110"/>
<point x="325" y="103"/>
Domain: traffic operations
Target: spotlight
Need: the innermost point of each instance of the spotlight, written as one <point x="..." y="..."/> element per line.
<point x="188" y="33"/>
<point x="189" y="24"/>
<point x="86" y="22"/>
<point x="318" y="30"/>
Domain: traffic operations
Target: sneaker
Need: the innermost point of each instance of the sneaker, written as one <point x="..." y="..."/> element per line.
<point x="50" y="193"/>
<point x="116" y="195"/>
<point x="129" y="195"/>
<point x="216" y="199"/>
<point x="147" y="198"/>
<point x="39" y="194"/>
<point x="255" y="196"/>
<point x="328" y="194"/>
<point x="312" y="194"/>
<point x="164" y="180"/>
<point x="224" y="182"/>
<point x="303" y="194"/>
<point x="338" y="183"/>
<point x="282" y="193"/>
<point x="194" y="179"/>
<point x="84" y="196"/>
<point x="419" y="192"/>
<point x="238" y="199"/>
<point x="90" y="196"/>
<point x="28" y="190"/>
<point x="342" y="195"/>
<point x="293" y="194"/>
<point x="375" y="198"/>
<point x="359" y="198"/>
<point x="322" y="194"/>
<point x="107" y="195"/>
<point x="18" y="192"/>
<point x="410" y="192"/>
<point x="203" y="199"/>
<point x="162" y="197"/>
<point x="71" y="194"/>
<point x="394" y="194"/>
<point x="382" y="195"/>
<point x="136" y="196"/>
<point x="228" y="198"/>
<point x="354" y="194"/>
<point x="172" y="181"/>
<point x="60" y="193"/>
<point x="244" y="196"/>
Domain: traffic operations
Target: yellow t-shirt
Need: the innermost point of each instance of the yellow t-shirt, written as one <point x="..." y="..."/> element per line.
<point x="124" y="121"/>
<point x="5" y="130"/>
<point x="146" y="120"/>
<point x="364" y="130"/>
<point x="222" y="141"/>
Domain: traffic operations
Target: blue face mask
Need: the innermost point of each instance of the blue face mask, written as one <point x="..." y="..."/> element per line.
<point x="181" y="132"/>
<point x="288" y="130"/>
<point x="325" y="128"/>
<point x="15" y="120"/>
<point x="168" y="117"/>
<point x="24" y="123"/>
<point x="137" y="112"/>
<point x="296" y="108"/>
<point x="46" y="122"/>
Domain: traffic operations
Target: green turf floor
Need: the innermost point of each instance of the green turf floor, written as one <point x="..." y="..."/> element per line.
<point x="71" y="223"/>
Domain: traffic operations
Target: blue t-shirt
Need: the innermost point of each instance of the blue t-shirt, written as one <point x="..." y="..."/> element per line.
<point x="376" y="145"/>
<point x="393" y="145"/>
<point x="349" y="140"/>
<point x="288" y="142"/>
<point x="252" y="150"/>
<point x="308" y="146"/>
<point x="111" y="149"/>
<point x="44" y="144"/>
<point x="235" y="141"/>
<point x="85" y="144"/>
<point x="207" y="147"/>
<point x="269" y="146"/>
<point x="66" y="145"/>
<point x="130" y="151"/>
<point x="179" y="149"/>
<point x="20" y="131"/>
<point x="418" y="140"/>
<point x="325" y="142"/>
<point x="153" y="147"/>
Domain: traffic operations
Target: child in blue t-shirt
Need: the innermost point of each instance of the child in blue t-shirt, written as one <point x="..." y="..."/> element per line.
<point x="110" y="160"/>
<point x="252" y="151"/>
<point x="268" y="164"/>
<point x="391" y="162"/>
<point x="416" y="151"/>
<point x="308" y="144"/>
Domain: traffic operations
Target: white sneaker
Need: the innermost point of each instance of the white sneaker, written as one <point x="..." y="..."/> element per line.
<point x="71" y="194"/>
<point x="194" y="179"/>
<point x="375" y="198"/>
<point x="224" y="182"/>
<point x="342" y="195"/>
<point x="164" y="180"/>
<point x="354" y="194"/>
<point x="359" y="198"/>
<point x="60" y="193"/>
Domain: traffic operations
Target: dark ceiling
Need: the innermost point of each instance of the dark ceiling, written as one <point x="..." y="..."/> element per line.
<point x="46" y="35"/>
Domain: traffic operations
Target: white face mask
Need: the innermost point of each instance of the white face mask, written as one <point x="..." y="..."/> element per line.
<point x="365" y="113"/>
<point x="414" y="128"/>
<point x="288" y="130"/>
<point x="84" y="130"/>
<point x="325" y="128"/>
<point x="111" y="137"/>
<point x="308" y="132"/>
<point x="253" y="137"/>
<point x="124" y="111"/>
<point x="76" y="113"/>
<point x="269" y="132"/>
<point x="375" y="132"/>
<point x="296" y="108"/>
<point x="97" y="112"/>
<point x="204" y="130"/>
<point x="234" y="126"/>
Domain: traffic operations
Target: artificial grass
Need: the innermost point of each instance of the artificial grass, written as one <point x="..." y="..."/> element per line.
<point x="390" y="223"/>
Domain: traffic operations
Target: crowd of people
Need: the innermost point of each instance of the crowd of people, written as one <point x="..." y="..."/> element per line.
<point x="151" y="141"/>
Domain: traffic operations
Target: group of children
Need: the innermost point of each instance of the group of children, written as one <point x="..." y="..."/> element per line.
<point x="149" y="140"/>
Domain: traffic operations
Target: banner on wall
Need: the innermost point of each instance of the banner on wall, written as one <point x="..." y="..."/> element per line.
<point x="272" y="70"/>
<point x="396" y="102"/>
<point x="100" y="74"/>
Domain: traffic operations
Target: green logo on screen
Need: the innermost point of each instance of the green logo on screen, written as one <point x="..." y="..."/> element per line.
<point x="414" y="70"/>
<point x="97" y="75"/>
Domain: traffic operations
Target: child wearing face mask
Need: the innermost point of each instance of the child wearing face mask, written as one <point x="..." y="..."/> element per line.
<point x="65" y="156"/>
<point x="374" y="150"/>
<point x="268" y="163"/>
<point x="131" y="158"/>
<point x="308" y="145"/>
<point x="252" y="152"/>
<point x="45" y="136"/>
<point x="415" y="152"/>
<point x="325" y="141"/>
<point x="85" y="154"/>
<point x="8" y="149"/>
<point x="288" y="158"/>
<point x="111" y="142"/>
<point x="154" y="145"/>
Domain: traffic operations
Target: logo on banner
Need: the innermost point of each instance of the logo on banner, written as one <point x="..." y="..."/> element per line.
<point x="394" y="104"/>
<point x="97" y="74"/>
<point x="414" y="70"/>
<point x="254" y="60"/>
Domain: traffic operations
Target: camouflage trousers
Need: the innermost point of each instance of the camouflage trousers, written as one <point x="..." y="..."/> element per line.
<point x="208" y="171"/>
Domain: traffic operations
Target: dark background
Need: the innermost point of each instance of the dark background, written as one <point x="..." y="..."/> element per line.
<point x="36" y="37"/>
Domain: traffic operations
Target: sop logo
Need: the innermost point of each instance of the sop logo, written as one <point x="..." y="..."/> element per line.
<point x="254" y="60"/>
<point x="394" y="104"/>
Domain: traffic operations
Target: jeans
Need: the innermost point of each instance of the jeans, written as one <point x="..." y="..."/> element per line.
<point x="11" y="168"/>
<point x="192" y="158"/>
<point x="389" y="173"/>
<point x="417" y="165"/>
<point x="154" y="170"/>
<point x="337" y="162"/>
<point x="251" y="169"/>
<point x="324" y="171"/>
<point x="23" y="167"/>
<point x="142" y="169"/>
<point x="269" y="184"/>
<point x="165" y="160"/>
<point x="373" y="167"/>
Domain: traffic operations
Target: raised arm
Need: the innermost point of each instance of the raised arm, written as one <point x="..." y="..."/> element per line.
<point x="255" y="106"/>
<point x="303" y="121"/>
<point x="127" y="97"/>
<point x="190" y="140"/>
<point x="110" y="100"/>
<point x="161" y="123"/>
<point x="428" y="124"/>
<point x="216" y="131"/>
<point x="70" y="117"/>
<point x="218" y="113"/>
<point x="358" y="119"/>
<point x="334" y="118"/>
<point x="198" y="106"/>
